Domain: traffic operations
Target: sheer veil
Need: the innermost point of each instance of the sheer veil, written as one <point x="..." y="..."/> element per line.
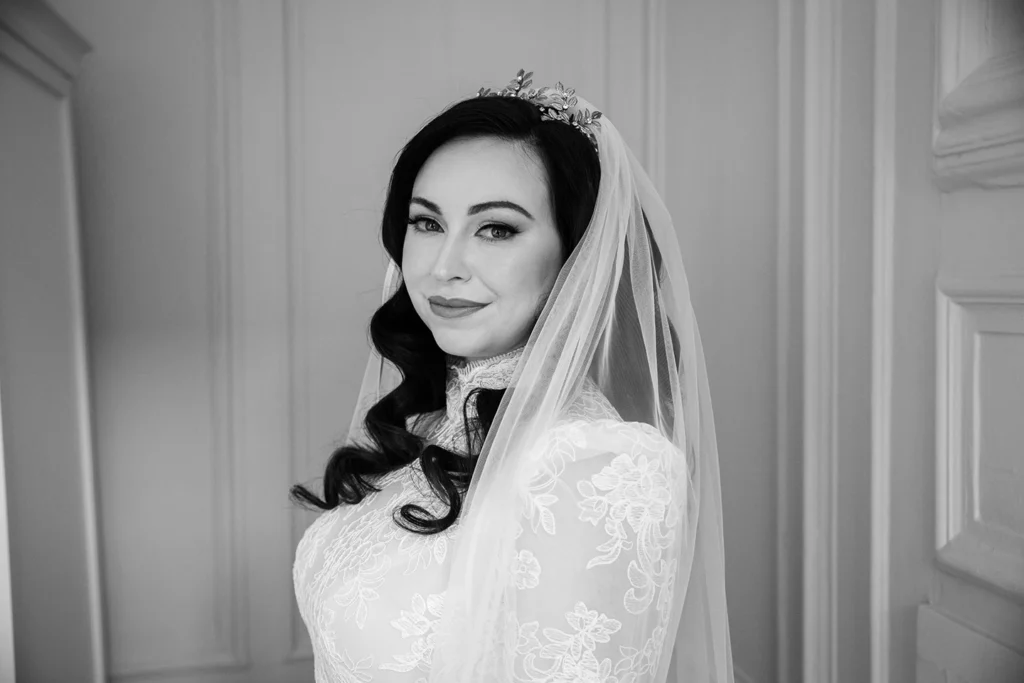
<point x="619" y="314"/>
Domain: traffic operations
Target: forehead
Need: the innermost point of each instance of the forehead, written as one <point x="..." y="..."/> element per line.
<point x="467" y="171"/>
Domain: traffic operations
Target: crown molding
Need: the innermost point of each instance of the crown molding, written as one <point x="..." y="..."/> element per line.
<point x="45" y="32"/>
<point x="37" y="40"/>
<point x="978" y="130"/>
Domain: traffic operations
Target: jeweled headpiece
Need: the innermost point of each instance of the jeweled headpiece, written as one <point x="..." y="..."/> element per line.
<point x="555" y="104"/>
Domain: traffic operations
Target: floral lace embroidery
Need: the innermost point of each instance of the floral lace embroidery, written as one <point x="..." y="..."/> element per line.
<point x="352" y="671"/>
<point x="571" y="654"/>
<point x="424" y="549"/>
<point x="355" y="561"/>
<point x="527" y="570"/>
<point x="361" y="564"/>
<point x="591" y="405"/>
<point x="418" y="623"/>
<point x="637" y="498"/>
<point x="638" y="495"/>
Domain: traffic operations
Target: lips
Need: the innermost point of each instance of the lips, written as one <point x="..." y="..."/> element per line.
<point x="453" y="308"/>
<point x="454" y="303"/>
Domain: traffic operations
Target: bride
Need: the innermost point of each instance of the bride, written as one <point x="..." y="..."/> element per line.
<point x="530" y="487"/>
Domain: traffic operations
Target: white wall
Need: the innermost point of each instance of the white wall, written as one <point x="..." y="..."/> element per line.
<point x="721" y="161"/>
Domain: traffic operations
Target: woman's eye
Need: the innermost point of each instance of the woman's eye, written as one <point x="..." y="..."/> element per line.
<point x="499" y="232"/>
<point x="424" y="224"/>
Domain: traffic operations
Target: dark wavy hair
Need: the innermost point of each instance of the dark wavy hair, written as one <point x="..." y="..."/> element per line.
<point x="399" y="335"/>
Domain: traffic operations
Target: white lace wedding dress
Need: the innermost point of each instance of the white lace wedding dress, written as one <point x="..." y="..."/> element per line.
<point x="588" y="568"/>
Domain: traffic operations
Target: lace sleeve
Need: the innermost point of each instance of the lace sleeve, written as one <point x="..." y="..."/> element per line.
<point x="596" y="555"/>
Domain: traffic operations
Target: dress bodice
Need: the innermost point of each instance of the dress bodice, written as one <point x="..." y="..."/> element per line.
<point x="372" y="593"/>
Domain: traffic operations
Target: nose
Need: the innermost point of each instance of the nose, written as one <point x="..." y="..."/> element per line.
<point x="450" y="262"/>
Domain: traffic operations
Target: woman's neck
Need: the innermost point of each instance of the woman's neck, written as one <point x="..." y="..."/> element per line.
<point x="465" y="375"/>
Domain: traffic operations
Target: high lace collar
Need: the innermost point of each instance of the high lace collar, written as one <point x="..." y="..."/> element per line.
<point x="482" y="373"/>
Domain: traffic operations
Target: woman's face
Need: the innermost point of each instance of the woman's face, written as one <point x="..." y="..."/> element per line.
<point x="481" y="229"/>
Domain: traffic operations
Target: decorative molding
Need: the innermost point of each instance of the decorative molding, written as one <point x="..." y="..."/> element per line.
<point x="598" y="41"/>
<point x="226" y="270"/>
<point x="37" y="40"/>
<point x="87" y="464"/>
<point x="883" y="238"/>
<point x="40" y="44"/>
<point x="90" y="513"/>
<point x="230" y="608"/>
<point x="606" y="63"/>
<point x="656" y="84"/>
<point x="787" y="540"/>
<point x="628" y="36"/>
<point x="298" y="286"/>
<point x="6" y="594"/>
<point x="822" y="124"/>
<point x="965" y="542"/>
<point x="28" y="62"/>
<point x="978" y="128"/>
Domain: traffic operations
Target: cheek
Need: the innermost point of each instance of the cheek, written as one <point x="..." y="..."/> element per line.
<point x="528" y="281"/>
<point x="414" y="260"/>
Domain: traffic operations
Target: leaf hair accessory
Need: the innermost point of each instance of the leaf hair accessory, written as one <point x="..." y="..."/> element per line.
<point x="555" y="104"/>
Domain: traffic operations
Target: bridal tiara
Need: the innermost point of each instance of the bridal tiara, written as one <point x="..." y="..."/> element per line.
<point x="555" y="104"/>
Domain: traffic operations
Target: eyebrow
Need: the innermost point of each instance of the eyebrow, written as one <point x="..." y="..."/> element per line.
<point x="476" y="208"/>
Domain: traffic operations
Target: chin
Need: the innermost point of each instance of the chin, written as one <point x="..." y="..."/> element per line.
<point x="455" y="344"/>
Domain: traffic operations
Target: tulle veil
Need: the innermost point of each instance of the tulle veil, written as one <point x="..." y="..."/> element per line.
<point x="620" y="313"/>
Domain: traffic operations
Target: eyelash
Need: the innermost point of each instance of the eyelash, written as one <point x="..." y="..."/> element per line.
<point x="512" y="232"/>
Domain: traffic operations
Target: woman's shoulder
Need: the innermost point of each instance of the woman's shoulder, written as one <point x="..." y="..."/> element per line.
<point x="609" y="453"/>
<point x="605" y="441"/>
<point x="590" y="405"/>
<point x="591" y="424"/>
<point x="609" y="434"/>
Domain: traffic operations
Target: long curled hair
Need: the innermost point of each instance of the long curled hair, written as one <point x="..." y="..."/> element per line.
<point x="400" y="336"/>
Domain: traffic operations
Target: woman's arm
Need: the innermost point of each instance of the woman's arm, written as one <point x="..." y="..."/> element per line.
<point x="597" y="557"/>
